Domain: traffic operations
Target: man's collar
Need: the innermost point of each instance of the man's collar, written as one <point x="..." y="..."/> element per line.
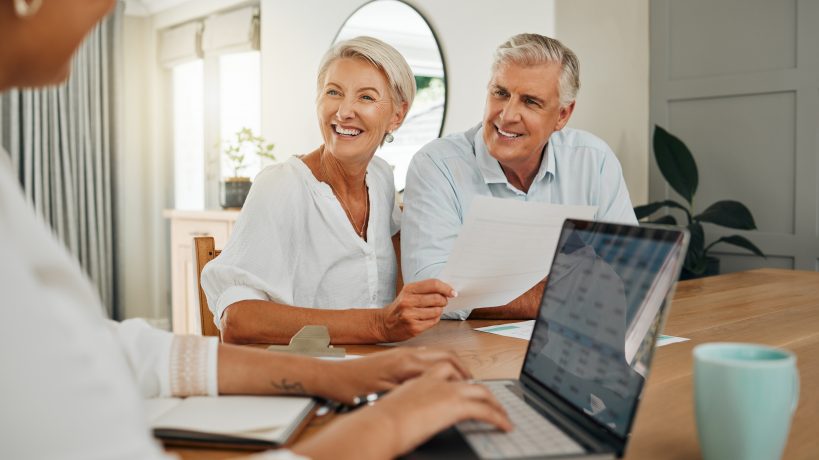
<point x="547" y="165"/>
<point x="491" y="168"/>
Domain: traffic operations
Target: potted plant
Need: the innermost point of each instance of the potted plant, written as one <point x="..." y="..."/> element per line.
<point x="679" y="169"/>
<point x="235" y="188"/>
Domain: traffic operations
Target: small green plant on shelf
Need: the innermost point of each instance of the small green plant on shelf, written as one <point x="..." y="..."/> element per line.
<point x="234" y="189"/>
<point x="677" y="165"/>
<point x="246" y="142"/>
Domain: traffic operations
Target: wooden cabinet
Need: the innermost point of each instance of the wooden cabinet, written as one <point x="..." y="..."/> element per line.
<point x="185" y="226"/>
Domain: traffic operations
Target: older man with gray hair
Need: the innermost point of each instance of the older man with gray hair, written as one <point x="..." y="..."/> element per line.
<point x="521" y="151"/>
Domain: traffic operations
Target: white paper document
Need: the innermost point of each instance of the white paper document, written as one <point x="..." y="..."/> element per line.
<point x="523" y="330"/>
<point x="503" y="249"/>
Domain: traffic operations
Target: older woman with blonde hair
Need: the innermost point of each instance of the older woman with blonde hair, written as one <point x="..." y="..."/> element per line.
<point x="73" y="381"/>
<point x="316" y="242"/>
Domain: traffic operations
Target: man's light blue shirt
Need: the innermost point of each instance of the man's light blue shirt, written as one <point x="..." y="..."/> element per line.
<point x="578" y="168"/>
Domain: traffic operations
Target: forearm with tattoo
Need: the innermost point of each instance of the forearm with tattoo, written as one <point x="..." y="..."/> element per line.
<point x="289" y="387"/>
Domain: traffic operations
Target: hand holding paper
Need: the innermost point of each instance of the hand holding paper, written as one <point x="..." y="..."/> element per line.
<point x="504" y="248"/>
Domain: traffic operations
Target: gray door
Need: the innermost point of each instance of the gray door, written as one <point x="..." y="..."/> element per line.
<point x="738" y="82"/>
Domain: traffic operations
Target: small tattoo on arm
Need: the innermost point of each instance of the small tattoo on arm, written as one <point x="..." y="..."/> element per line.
<point x="289" y="387"/>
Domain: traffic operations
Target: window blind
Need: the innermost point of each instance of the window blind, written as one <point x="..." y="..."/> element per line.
<point x="234" y="31"/>
<point x="181" y="44"/>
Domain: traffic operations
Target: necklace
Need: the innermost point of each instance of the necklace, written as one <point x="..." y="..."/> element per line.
<point x="360" y="231"/>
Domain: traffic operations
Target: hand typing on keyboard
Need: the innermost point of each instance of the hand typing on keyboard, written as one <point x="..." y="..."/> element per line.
<point x="409" y="415"/>
<point x="534" y="435"/>
<point x="432" y="403"/>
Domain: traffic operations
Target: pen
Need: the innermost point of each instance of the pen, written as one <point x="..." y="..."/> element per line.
<point x="362" y="400"/>
<point x="327" y="407"/>
<point x="367" y="399"/>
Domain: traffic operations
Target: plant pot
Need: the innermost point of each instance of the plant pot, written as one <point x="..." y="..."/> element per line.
<point x="711" y="269"/>
<point x="233" y="192"/>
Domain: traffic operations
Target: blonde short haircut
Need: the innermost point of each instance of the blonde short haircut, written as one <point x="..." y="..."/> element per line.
<point x="534" y="49"/>
<point x="381" y="55"/>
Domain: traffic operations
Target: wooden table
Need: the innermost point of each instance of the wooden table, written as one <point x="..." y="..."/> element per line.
<point x="772" y="307"/>
<point x="768" y="306"/>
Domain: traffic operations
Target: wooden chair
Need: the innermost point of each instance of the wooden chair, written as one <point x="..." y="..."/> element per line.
<point x="204" y="249"/>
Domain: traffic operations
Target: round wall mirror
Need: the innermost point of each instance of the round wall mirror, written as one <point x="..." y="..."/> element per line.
<point x="403" y="27"/>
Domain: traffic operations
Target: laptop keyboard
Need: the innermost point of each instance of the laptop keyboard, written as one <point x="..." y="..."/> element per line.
<point x="534" y="435"/>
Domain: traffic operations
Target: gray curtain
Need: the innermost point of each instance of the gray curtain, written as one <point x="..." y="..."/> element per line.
<point x="60" y="142"/>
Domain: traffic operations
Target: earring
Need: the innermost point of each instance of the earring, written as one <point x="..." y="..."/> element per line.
<point x="389" y="138"/>
<point x="25" y="9"/>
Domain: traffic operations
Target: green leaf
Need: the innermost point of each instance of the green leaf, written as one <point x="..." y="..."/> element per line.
<point x="695" y="258"/>
<point x="740" y="241"/>
<point x="667" y="219"/>
<point x="676" y="163"/>
<point x="728" y="213"/>
<point x="649" y="209"/>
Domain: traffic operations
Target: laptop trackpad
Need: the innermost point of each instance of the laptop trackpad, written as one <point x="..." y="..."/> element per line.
<point x="447" y="444"/>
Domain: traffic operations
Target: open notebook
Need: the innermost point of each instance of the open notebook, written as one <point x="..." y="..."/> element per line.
<point x="236" y="421"/>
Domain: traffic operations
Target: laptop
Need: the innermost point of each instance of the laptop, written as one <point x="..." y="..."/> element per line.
<point x="607" y="296"/>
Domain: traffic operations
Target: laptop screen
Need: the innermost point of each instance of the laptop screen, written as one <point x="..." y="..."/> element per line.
<point x="599" y="317"/>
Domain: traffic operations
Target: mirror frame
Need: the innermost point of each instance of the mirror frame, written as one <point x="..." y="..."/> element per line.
<point x="434" y="36"/>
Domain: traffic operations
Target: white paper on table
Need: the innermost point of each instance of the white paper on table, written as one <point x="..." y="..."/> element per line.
<point x="503" y="249"/>
<point x="523" y="330"/>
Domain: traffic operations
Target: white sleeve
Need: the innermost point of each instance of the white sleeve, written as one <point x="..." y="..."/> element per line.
<point x="66" y="390"/>
<point x="380" y="175"/>
<point x="395" y="218"/>
<point x="167" y="365"/>
<point x="256" y="262"/>
<point x="387" y="180"/>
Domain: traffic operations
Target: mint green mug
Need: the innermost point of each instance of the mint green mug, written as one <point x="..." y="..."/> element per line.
<point x="745" y="395"/>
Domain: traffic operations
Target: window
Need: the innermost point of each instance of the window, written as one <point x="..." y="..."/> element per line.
<point x="188" y="138"/>
<point x="240" y="103"/>
<point x="215" y="69"/>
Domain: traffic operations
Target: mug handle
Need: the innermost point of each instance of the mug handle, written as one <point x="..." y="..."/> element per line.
<point x="795" y="390"/>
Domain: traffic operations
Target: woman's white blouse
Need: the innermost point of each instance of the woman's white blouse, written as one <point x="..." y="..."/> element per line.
<point x="293" y="244"/>
<point x="73" y="381"/>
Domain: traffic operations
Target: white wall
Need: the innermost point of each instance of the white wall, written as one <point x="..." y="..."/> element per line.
<point x="611" y="40"/>
<point x="294" y="38"/>
<point x="141" y="176"/>
<point x="130" y="207"/>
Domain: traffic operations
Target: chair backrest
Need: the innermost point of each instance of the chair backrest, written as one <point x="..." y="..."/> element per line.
<point x="205" y="251"/>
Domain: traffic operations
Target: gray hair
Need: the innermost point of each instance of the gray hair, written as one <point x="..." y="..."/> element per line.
<point x="383" y="56"/>
<point x="534" y="49"/>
